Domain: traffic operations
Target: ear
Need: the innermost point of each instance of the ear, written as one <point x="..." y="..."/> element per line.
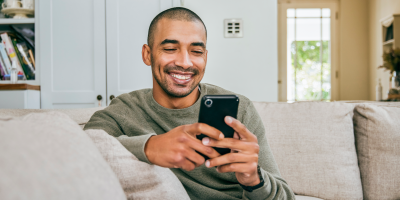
<point x="146" y="54"/>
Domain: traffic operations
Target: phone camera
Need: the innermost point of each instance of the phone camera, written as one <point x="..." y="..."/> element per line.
<point x="208" y="102"/>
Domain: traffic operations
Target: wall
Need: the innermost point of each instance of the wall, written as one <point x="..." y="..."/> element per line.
<point x="379" y="9"/>
<point x="353" y="51"/>
<point x="245" y="65"/>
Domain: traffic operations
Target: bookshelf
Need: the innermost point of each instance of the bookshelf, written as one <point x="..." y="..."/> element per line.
<point x="33" y="24"/>
<point x="391" y="32"/>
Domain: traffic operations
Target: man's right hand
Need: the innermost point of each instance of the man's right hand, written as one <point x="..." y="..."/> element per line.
<point x="177" y="148"/>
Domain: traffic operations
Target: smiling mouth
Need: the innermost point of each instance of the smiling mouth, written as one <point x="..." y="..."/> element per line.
<point x="181" y="78"/>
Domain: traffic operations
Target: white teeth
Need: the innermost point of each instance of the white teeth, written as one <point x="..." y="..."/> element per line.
<point x="181" y="77"/>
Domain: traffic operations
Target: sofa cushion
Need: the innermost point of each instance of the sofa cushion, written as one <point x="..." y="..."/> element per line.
<point x="313" y="144"/>
<point x="80" y="116"/>
<point x="48" y="156"/>
<point x="377" y="131"/>
<point x="138" y="179"/>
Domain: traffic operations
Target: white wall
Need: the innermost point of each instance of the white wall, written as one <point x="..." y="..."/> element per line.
<point x="245" y="65"/>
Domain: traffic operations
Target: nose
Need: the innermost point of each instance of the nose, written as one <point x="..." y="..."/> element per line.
<point x="183" y="60"/>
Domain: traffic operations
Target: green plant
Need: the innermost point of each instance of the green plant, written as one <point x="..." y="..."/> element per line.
<point x="391" y="60"/>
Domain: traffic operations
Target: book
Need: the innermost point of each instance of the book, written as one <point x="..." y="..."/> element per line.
<point x="28" y="70"/>
<point x="2" y="72"/>
<point x="4" y="58"/>
<point x="3" y="66"/>
<point x="32" y="58"/>
<point x="23" y="49"/>
<point x="11" y="52"/>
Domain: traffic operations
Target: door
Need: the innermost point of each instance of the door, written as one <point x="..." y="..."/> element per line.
<point x="128" y="22"/>
<point x="308" y="51"/>
<point x="72" y="53"/>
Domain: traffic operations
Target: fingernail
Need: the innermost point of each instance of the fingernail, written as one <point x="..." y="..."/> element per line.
<point x="229" y="119"/>
<point x="176" y="166"/>
<point x="217" y="169"/>
<point x="206" y="140"/>
<point x="207" y="163"/>
<point x="221" y="136"/>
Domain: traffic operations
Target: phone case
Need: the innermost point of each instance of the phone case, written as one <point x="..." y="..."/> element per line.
<point x="214" y="114"/>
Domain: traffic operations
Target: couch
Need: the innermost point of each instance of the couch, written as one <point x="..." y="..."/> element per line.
<point x="336" y="150"/>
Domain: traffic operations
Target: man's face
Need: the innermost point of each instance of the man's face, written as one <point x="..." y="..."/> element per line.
<point x="178" y="56"/>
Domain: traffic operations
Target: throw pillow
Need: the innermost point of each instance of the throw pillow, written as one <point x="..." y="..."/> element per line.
<point x="138" y="179"/>
<point x="48" y="156"/>
<point x="377" y="131"/>
<point x="313" y="145"/>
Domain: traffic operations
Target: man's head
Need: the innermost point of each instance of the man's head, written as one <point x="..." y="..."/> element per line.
<point x="176" y="51"/>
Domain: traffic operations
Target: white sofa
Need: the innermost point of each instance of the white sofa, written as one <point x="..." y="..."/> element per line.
<point x="332" y="150"/>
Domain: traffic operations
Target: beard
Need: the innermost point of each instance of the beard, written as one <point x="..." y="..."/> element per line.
<point x="168" y="89"/>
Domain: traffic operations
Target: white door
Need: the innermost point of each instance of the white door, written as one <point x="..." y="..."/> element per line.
<point x="128" y="22"/>
<point x="308" y="51"/>
<point x="72" y="53"/>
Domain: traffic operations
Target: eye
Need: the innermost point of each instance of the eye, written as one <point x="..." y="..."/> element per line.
<point x="198" y="52"/>
<point x="169" y="49"/>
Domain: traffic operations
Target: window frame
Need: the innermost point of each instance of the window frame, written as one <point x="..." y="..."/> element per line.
<point x="282" y="43"/>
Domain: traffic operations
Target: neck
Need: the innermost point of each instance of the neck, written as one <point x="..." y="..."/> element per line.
<point x="167" y="101"/>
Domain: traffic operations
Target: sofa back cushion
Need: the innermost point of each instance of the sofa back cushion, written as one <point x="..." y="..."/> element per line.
<point x="138" y="179"/>
<point x="313" y="145"/>
<point x="377" y="131"/>
<point x="81" y="115"/>
<point x="48" y="156"/>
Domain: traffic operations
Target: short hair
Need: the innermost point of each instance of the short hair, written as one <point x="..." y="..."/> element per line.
<point x="176" y="13"/>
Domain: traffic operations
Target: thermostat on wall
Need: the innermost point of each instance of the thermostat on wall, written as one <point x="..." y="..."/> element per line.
<point x="233" y="28"/>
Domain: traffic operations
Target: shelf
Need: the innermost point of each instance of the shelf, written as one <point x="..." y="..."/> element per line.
<point x="389" y="42"/>
<point x="19" y="86"/>
<point x="30" y="82"/>
<point x="17" y="21"/>
<point x="394" y="96"/>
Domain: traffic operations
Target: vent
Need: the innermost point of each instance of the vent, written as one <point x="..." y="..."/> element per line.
<point x="233" y="28"/>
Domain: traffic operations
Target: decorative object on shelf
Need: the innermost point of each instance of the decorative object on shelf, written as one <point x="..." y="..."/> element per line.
<point x="379" y="91"/>
<point x="14" y="73"/>
<point x="391" y="62"/>
<point x="18" y="9"/>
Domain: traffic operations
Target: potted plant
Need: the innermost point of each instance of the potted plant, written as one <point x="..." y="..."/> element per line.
<point x="391" y="62"/>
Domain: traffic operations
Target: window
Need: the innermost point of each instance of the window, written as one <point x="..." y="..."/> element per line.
<point x="306" y="52"/>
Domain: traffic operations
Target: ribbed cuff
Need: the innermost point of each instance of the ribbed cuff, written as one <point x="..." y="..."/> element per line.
<point x="135" y="145"/>
<point x="262" y="192"/>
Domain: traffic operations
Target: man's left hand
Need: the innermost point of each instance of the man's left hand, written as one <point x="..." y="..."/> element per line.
<point x="243" y="159"/>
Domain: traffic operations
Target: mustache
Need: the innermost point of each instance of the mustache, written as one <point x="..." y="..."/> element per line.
<point x="169" y="68"/>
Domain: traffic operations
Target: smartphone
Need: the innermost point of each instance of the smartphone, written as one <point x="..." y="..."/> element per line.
<point x="213" y="110"/>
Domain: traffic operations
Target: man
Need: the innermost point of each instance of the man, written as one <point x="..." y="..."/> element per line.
<point x="159" y="125"/>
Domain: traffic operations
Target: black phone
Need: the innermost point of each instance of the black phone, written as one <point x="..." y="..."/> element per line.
<point x="213" y="110"/>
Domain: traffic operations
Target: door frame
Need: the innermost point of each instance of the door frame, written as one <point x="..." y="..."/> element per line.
<point x="282" y="43"/>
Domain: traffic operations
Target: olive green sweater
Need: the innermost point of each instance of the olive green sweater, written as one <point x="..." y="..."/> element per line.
<point x="134" y="117"/>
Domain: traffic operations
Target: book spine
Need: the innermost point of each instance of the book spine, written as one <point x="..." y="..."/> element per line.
<point x="32" y="58"/>
<point x="28" y="73"/>
<point x="11" y="52"/>
<point x="4" y="66"/>
<point x="5" y="58"/>
<point x="25" y="57"/>
<point x="2" y="72"/>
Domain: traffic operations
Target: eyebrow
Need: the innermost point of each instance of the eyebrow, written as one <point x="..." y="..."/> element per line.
<point x="169" y="41"/>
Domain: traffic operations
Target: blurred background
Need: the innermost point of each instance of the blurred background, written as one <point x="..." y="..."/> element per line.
<point x="84" y="53"/>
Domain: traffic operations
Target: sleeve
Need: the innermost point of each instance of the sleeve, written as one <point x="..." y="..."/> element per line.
<point x="113" y="121"/>
<point x="275" y="187"/>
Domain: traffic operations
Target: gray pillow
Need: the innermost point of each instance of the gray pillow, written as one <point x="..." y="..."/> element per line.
<point x="48" y="156"/>
<point x="377" y="131"/>
<point x="313" y="145"/>
<point x="138" y="179"/>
